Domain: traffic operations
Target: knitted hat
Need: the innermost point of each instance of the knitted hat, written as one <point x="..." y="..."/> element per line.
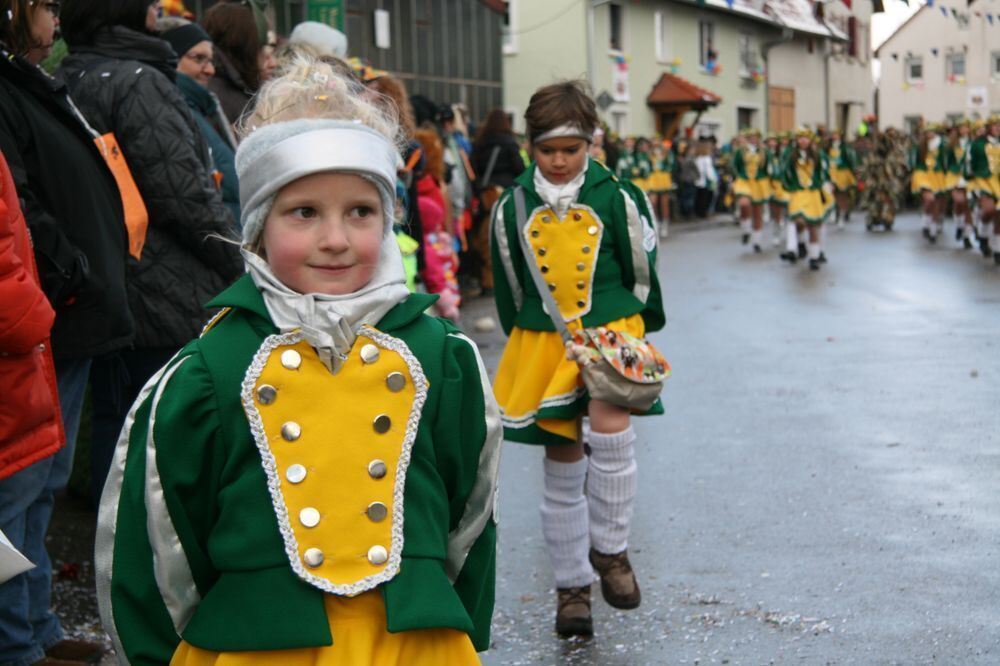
<point x="320" y="39"/>
<point x="183" y="38"/>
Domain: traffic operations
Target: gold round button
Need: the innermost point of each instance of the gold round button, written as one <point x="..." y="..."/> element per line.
<point x="378" y="555"/>
<point x="585" y="249"/>
<point x="309" y="517"/>
<point x="545" y="269"/>
<point x="581" y="284"/>
<point x="377" y="512"/>
<point x="266" y="394"/>
<point x="377" y="469"/>
<point x="541" y="251"/>
<point x="291" y="359"/>
<point x="592" y="230"/>
<point x="577" y="217"/>
<point x="396" y="381"/>
<point x="313" y="557"/>
<point x="581" y="266"/>
<point x="369" y="353"/>
<point x="546" y="218"/>
<point x="535" y="233"/>
<point x="382" y="423"/>
<point x="552" y="287"/>
<point x="581" y="304"/>
<point x="291" y="431"/>
<point x="295" y="474"/>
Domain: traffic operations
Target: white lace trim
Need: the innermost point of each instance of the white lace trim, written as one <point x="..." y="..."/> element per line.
<point x="274" y="479"/>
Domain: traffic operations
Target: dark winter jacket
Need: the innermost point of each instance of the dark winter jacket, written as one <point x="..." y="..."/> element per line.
<point x="30" y="423"/>
<point x="228" y="86"/>
<point x="509" y="164"/>
<point x="215" y="128"/>
<point x="73" y="210"/>
<point x="123" y="83"/>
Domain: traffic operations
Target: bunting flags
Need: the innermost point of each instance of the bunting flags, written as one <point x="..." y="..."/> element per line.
<point x="944" y="11"/>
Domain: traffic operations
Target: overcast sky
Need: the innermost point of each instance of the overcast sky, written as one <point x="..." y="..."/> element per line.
<point x="884" y="24"/>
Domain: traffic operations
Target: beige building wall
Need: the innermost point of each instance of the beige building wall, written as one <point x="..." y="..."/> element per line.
<point x="798" y="65"/>
<point x="852" y="85"/>
<point x="903" y="100"/>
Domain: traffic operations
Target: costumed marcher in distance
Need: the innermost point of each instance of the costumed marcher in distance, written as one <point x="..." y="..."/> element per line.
<point x="927" y="179"/>
<point x="843" y="165"/>
<point x="956" y="157"/>
<point x="593" y="240"/>
<point x="984" y="169"/>
<point x="751" y="186"/>
<point x="661" y="184"/>
<point x="626" y="167"/>
<point x="255" y="510"/>
<point x="810" y="193"/>
<point x="884" y="174"/>
<point x="778" y="202"/>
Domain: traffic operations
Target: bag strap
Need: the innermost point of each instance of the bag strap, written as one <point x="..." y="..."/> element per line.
<point x="529" y="258"/>
<point x="494" y="154"/>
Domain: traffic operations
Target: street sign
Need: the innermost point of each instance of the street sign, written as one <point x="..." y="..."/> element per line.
<point x="330" y="12"/>
<point x="604" y="100"/>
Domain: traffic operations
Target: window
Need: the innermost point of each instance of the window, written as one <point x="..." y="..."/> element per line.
<point x="661" y="35"/>
<point x="615" y="27"/>
<point x="955" y="66"/>
<point x="748" y="59"/>
<point x="746" y="117"/>
<point x="619" y="122"/>
<point x="912" y="124"/>
<point x="953" y="118"/>
<point x="995" y="64"/>
<point x="852" y="36"/>
<point x="706" y="41"/>
<point x="914" y="69"/>
<point x="509" y="34"/>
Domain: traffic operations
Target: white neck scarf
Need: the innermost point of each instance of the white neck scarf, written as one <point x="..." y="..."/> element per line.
<point x="331" y="323"/>
<point x="559" y="197"/>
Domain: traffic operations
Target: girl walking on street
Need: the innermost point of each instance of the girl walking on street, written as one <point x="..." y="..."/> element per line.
<point x="810" y="193"/>
<point x="254" y="512"/>
<point x="592" y="238"/>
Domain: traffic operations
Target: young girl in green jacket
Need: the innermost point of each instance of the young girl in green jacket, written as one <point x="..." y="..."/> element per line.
<point x="594" y="241"/>
<point x="254" y="513"/>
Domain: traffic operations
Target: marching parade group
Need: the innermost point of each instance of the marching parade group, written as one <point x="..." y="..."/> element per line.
<point x="801" y="180"/>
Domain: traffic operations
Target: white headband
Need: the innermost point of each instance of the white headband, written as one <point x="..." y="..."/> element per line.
<point x="275" y="155"/>
<point x="563" y="131"/>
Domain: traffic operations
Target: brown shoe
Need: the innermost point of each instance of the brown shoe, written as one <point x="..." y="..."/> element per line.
<point x="618" y="584"/>
<point x="77" y="651"/>
<point x="573" y="613"/>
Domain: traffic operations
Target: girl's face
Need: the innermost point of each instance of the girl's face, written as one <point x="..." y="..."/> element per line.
<point x="803" y="142"/>
<point x="324" y="233"/>
<point x="42" y="24"/>
<point x="266" y="62"/>
<point x="560" y="160"/>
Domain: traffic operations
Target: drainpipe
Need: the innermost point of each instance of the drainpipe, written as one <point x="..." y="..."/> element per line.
<point x="765" y="49"/>
<point x="591" y="68"/>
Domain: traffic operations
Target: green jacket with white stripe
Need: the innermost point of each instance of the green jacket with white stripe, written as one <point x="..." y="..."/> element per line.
<point x="191" y="542"/>
<point x="625" y="281"/>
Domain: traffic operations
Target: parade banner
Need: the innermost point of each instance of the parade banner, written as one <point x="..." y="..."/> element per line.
<point x="979" y="98"/>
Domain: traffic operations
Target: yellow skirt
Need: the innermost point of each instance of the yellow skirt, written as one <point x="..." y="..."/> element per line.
<point x="359" y="637"/>
<point x="539" y="390"/>
<point x="931" y="181"/>
<point x="758" y="190"/>
<point x="660" y="181"/>
<point x="641" y="183"/>
<point x="843" y="179"/>
<point x="986" y="187"/>
<point x="778" y="193"/>
<point x="808" y="206"/>
<point x="954" y="181"/>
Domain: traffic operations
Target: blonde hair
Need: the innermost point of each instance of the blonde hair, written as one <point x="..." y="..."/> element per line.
<point x="311" y="88"/>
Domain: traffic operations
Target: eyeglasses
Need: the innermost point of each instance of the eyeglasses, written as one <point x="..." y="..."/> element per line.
<point x="201" y="60"/>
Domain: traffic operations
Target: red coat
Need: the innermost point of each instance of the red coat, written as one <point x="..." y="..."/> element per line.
<point x="30" y="423"/>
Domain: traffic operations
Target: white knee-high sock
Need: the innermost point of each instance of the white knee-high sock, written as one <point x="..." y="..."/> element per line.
<point x="745" y="225"/>
<point x="611" y="486"/>
<point x="565" y="524"/>
<point x="814" y="250"/>
<point x="791" y="238"/>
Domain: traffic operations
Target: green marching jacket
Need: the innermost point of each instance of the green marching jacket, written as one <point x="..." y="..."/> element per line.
<point x="739" y="164"/>
<point x="624" y="282"/>
<point x="790" y="173"/>
<point x="191" y="539"/>
<point x="979" y="161"/>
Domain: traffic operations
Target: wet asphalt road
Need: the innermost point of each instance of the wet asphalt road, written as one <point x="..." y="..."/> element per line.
<point x="823" y="488"/>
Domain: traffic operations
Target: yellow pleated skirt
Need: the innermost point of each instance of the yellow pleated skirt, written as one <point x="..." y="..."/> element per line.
<point x="359" y="637"/>
<point x="660" y="181"/>
<point x="986" y="187"/>
<point x="808" y="206"/>
<point x="778" y="193"/>
<point x="758" y="190"/>
<point x="539" y="389"/>
<point x="843" y="179"/>
<point x="931" y="181"/>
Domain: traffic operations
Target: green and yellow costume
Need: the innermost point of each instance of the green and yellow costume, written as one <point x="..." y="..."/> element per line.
<point x="843" y="163"/>
<point x="803" y="178"/>
<point x="662" y="178"/>
<point x="984" y="167"/>
<point x="254" y="513"/>
<point x="600" y="262"/>
<point x="752" y="179"/>
<point x="928" y="174"/>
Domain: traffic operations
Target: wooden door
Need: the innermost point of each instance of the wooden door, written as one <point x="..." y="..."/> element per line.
<point x="781" y="106"/>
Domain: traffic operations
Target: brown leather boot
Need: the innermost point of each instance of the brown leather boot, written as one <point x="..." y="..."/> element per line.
<point x="618" y="584"/>
<point x="573" y="612"/>
<point x="77" y="651"/>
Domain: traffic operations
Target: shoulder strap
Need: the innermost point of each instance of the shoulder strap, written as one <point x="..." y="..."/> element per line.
<point x="529" y="258"/>
<point x="489" y="167"/>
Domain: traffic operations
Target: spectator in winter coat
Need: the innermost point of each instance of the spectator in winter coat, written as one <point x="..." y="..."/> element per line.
<point x="244" y="53"/>
<point x="73" y="210"/>
<point x="122" y="79"/>
<point x="195" y="68"/>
